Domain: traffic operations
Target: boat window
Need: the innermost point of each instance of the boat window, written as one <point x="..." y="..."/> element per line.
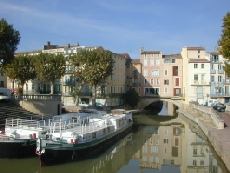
<point x="93" y="135"/>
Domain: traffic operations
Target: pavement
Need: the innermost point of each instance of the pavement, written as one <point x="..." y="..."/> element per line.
<point x="220" y="139"/>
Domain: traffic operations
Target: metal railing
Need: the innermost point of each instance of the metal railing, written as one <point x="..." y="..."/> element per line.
<point x="54" y="97"/>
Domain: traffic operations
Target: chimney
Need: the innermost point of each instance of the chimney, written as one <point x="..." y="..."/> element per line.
<point x="48" y="43"/>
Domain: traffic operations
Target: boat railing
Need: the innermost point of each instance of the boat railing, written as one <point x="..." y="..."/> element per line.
<point x="84" y="127"/>
<point x="25" y="123"/>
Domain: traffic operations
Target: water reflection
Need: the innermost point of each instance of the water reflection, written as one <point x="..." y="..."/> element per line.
<point x="176" y="147"/>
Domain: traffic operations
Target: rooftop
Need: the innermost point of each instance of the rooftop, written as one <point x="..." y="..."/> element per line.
<point x="150" y="52"/>
<point x="199" y="61"/>
<point x="195" y="48"/>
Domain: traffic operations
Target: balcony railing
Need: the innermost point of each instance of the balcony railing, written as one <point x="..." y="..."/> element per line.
<point x="220" y="95"/>
<point x="54" y="97"/>
<point x="221" y="71"/>
<point x="213" y="71"/>
<point x="197" y="82"/>
<point x="219" y="84"/>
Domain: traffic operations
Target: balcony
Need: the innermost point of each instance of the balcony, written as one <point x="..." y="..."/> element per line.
<point x="218" y="95"/>
<point x="197" y="82"/>
<point x="213" y="71"/>
<point x="218" y="84"/>
<point x="221" y="71"/>
<point x="227" y="81"/>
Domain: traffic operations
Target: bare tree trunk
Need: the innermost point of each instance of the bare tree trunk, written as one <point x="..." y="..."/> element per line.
<point x="52" y="87"/>
<point x="94" y="93"/>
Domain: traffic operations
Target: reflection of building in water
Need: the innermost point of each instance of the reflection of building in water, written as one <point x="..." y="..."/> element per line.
<point x="181" y="145"/>
<point x="197" y="155"/>
<point x="164" y="147"/>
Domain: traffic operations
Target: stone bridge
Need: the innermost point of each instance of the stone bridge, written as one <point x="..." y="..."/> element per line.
<point x="147" y="100"/>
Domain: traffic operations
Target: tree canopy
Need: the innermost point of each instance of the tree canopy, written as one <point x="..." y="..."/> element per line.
<point x="22" y="69"/>
<point x="93" y="66"/>
<point x="224" y="42"/>
<point x="49" y="67"/>
<point x="9" y="39"/>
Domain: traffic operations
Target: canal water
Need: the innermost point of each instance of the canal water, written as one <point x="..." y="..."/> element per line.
<point x="158" y="144"/>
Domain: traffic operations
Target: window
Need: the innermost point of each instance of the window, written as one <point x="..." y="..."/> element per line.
<point x="158" y="82"/>
<point x="166" y="72"/>
<point x="195" y="65"/>
<point x="202" y="65"/>
<point x="176" y="141"/>
<point x="194" y="162"/>
<point x="194" y="151"/>
<point x="166" y="82"/>
<point x="145" y="81"/>
<point x="219" y="67"/>
<point x="201" y="163"/>
<point x="198" y="56"/>
<point x="151" y="81"/>
<point x="157" y="61"/>
<point x="155" y="73"/>
<point x="173" y="60"/>
<point x="175" y="70"/>
<point x="166" y="141"/>
<point x="177" y="91"/>
<point x="1" y="83"/>
<point x="195" y="77"/>
<point x="154" y="149"/>
<point x="166" y="90"/>
<point x="177" y="81"/>
<point x="199" y="91"/>
<point x="219" y="78"/>
<point x="212" y="78"/>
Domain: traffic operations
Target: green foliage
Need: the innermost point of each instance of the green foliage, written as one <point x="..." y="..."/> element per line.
<point x="21" y="68"/>
<point x="224" y="42"/>
<point x="131" y="97"/>
<point x="93" y="66"/>
<point x="9" y="39"/>
<point x="49" y="67"/>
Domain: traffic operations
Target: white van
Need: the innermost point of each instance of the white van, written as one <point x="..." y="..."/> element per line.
<point x="211" y="102"/>
<point x="5" y="94"/>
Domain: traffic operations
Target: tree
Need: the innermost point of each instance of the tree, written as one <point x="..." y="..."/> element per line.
<point x="93" y="67"/>
<point x="224" y="42"/>
<point x="49" y="67"/>
<point x="9" y="39"/>
<point x="22" y="69"/>
<point x="131" y="97"/>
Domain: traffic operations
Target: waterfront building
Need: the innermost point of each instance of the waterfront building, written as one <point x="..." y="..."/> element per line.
<point x="151" y="62"/>
<point x="171" y="75"/>
<point x="196" y="74"/>
<point x="110" y="91"/>
<point x="218" y="79"/>
<point x="162" y="74"/>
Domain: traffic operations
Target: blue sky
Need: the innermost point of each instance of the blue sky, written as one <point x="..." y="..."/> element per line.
<point x="118" y="25"/>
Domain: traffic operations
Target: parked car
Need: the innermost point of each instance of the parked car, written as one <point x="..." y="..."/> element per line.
<point x="212" y="102"/>
<point x="220" y="107"/>
<point x="5" y="94"/>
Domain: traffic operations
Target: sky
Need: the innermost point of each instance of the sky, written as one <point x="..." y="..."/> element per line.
<point x="122" y="26"/>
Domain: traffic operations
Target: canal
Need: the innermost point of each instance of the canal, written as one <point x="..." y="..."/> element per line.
<point x="163" y="142"/>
